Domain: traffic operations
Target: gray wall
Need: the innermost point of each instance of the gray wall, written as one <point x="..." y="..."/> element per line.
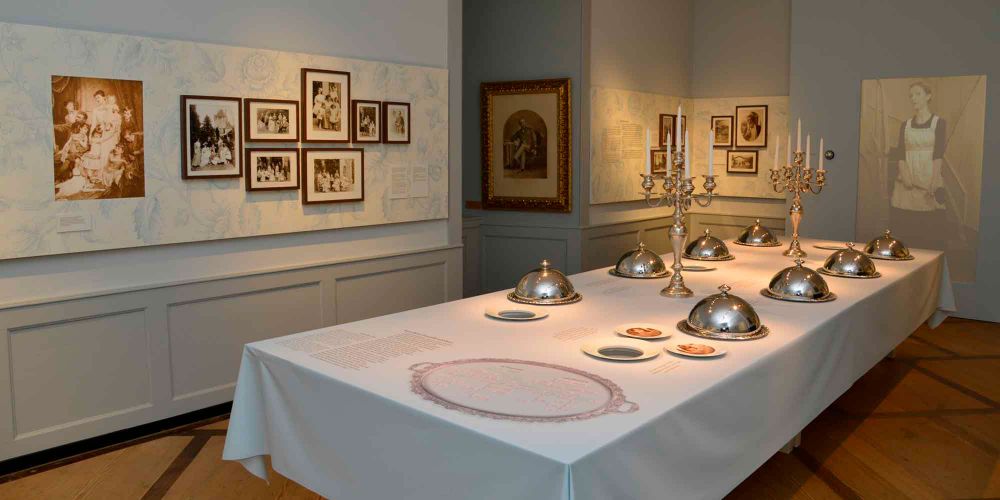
<point x="835" y="45"/>
<point x="740" y="48"/>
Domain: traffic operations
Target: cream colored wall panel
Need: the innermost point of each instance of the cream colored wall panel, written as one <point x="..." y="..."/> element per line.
<point x="207" y="335"/>
<point x="728" y="227"/>
<point x="78" y="369"/>
<point x="369" y="295"/>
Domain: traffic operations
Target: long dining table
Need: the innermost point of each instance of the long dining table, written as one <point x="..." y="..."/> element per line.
<point x="444" y="402"/>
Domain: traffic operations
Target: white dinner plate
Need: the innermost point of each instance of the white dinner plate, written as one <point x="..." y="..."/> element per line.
<point x="619" y="349"/>
<point x="828" y="246"/>
<point x="698" y="269"/>
<point x="643" y="331"/>
<point x="691" y="349"/>
<point x="517" y="313"/>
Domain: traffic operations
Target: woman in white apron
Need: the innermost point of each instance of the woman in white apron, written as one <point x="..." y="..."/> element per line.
<point x="917" y="203"/>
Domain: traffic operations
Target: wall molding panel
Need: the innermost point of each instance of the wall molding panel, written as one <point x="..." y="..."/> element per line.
<point x="72" y="369"/>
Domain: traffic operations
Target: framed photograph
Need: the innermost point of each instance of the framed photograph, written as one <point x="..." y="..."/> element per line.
<point x="333" y="175"/>
<point x="751" y="130"/>
<point x="658" y="159"/>
<point x="324" y="95"/>
<point x="271" y="120"/>
<point x="97" y="134"/>
<point x="211" y="137"/>
<point x="722" y="127"/>
<point x="741" y="162"/>
<point x="272" y="169"/>
<point x="526" y="145"/>
<point x="667" y="127"/>
<point x="396" y="124"/>
<point x="367" y="117"/>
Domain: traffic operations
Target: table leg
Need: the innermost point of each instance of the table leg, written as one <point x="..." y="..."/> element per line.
<point x="794" y="443"/>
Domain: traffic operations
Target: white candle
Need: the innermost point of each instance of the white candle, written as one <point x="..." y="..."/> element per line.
<point x="788" y="154"/>
<point x="711" y="149"/>
<point x="777" y="150"/>
<point x="808" y="160"/>
<point x="649" y="166"/>
<point x="670" y="158"/>
<point x="798" y="137"/>
<point x="821" y="153"/>
<point x="677" y="127"/>
<point x="687" y="157"/>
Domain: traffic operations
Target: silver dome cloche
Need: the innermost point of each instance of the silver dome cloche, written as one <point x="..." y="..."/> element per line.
<point x="886" y="247"/>
<point x="849" y="263"/>
<point x="640" y="263"/>
<point x="707" y="247"/>
<point x="544" y="286"/>
<point x="756" y="235"/>
<point x="723" y="317"/>
<point x="798" y="284"/>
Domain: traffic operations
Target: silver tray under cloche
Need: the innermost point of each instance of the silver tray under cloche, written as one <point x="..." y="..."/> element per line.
<point x="723" y="317"/>
<point x="544" y="286"/>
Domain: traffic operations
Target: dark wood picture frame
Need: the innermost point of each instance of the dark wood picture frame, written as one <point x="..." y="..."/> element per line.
<point x="652" y="161"/>
<point x="304" y="178"/>
<point x="251" y="170"/>
<point x="385" y="122"/>
<point x="306" y="122"/>
<point x="378" y="126"/>
<point x="662" y="141"/>
<point x="729" y="161"/>
<point x="248" y="120"/>
<point x="731" y="120"/>
<point x="237" y="147"/>
<point x="764" y="131"/>
<point x="561" y="201"/>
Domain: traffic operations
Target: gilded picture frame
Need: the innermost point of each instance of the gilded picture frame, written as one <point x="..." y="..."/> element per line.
<point x="526" y="145"/>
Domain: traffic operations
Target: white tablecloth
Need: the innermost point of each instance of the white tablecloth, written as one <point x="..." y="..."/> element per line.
<point x="701" y="428"/>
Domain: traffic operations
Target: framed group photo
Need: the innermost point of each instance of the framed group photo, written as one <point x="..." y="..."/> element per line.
<point x="722" y="131"/>
<point x="333" y="175"/>
<point x="751" y="126"/>
<point x="211" y="137"/>
<point x="271" y="120"/>
<point x="325" y="93"/>
<point x="396" y="122"/>
<point x="741" y="162"/>
<point x="525" y="127"/>
<point x="659" y="161"/>
<point x="367" y="117"/>
<point x="272" y="169"/>
<point x="667" y="127"/>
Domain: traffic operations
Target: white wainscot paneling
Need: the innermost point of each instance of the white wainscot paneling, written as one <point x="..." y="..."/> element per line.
<point x="374" y="294"/>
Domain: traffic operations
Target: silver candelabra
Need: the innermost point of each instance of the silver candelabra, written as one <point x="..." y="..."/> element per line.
<point x="797" y="179"/>
<point x="678" y="192"/>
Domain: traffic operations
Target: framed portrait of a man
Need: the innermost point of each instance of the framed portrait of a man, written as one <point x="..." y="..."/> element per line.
<point x="751" y="126"/>
<point x="526" y="145"/>
<point x="326" y="100"/>
<point x="396" y="122"/>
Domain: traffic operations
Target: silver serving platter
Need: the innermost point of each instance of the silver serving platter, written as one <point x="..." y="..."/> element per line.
<point x="654" y="276"/>
<point x="713" y="259"/>
<point x="761" y="245"/>
<point x="824" y="270"/>
<point x="576" y="297"/>
<point x="684" y="327"/>
<point x="791" y="298"/>
<point x="879" y="257"/>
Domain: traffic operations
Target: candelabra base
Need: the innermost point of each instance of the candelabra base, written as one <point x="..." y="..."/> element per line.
<point x="794" y="250"/>
<point x="676" y="291"/>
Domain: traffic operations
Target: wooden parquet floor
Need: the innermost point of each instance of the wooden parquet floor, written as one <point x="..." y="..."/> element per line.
<point x="924" y="424"/>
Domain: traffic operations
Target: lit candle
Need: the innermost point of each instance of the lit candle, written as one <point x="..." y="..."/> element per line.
<point x="821" y="153"/>
<point x="777" y="150"/>
<point x="808" y="160"/>
<point x="711" y="149"/>
<point x="687" y="157"/>
<point x="798" y="137"/>
<point x="788" y="154"/>
<point x="649" y="166"/>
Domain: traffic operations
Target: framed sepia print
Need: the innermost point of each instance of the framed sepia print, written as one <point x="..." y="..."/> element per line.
<point x="658" y="159"/>
<point x="396" y="122"/>
<point x="526" y="149"/>
<point x="97" y="138"/>
<point x="722" y="131"/>
<point x="212" y="137"/>
<point x="667" y="127"/>
<point x="367" y="118"/>
<point x="324" y="95"/>
<point x="741" y="162"/>
<point x="333" y="175"/>
<point x="272" y="169"/>
<point x="751" y="130"/>
<point x="270" y="120"/>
